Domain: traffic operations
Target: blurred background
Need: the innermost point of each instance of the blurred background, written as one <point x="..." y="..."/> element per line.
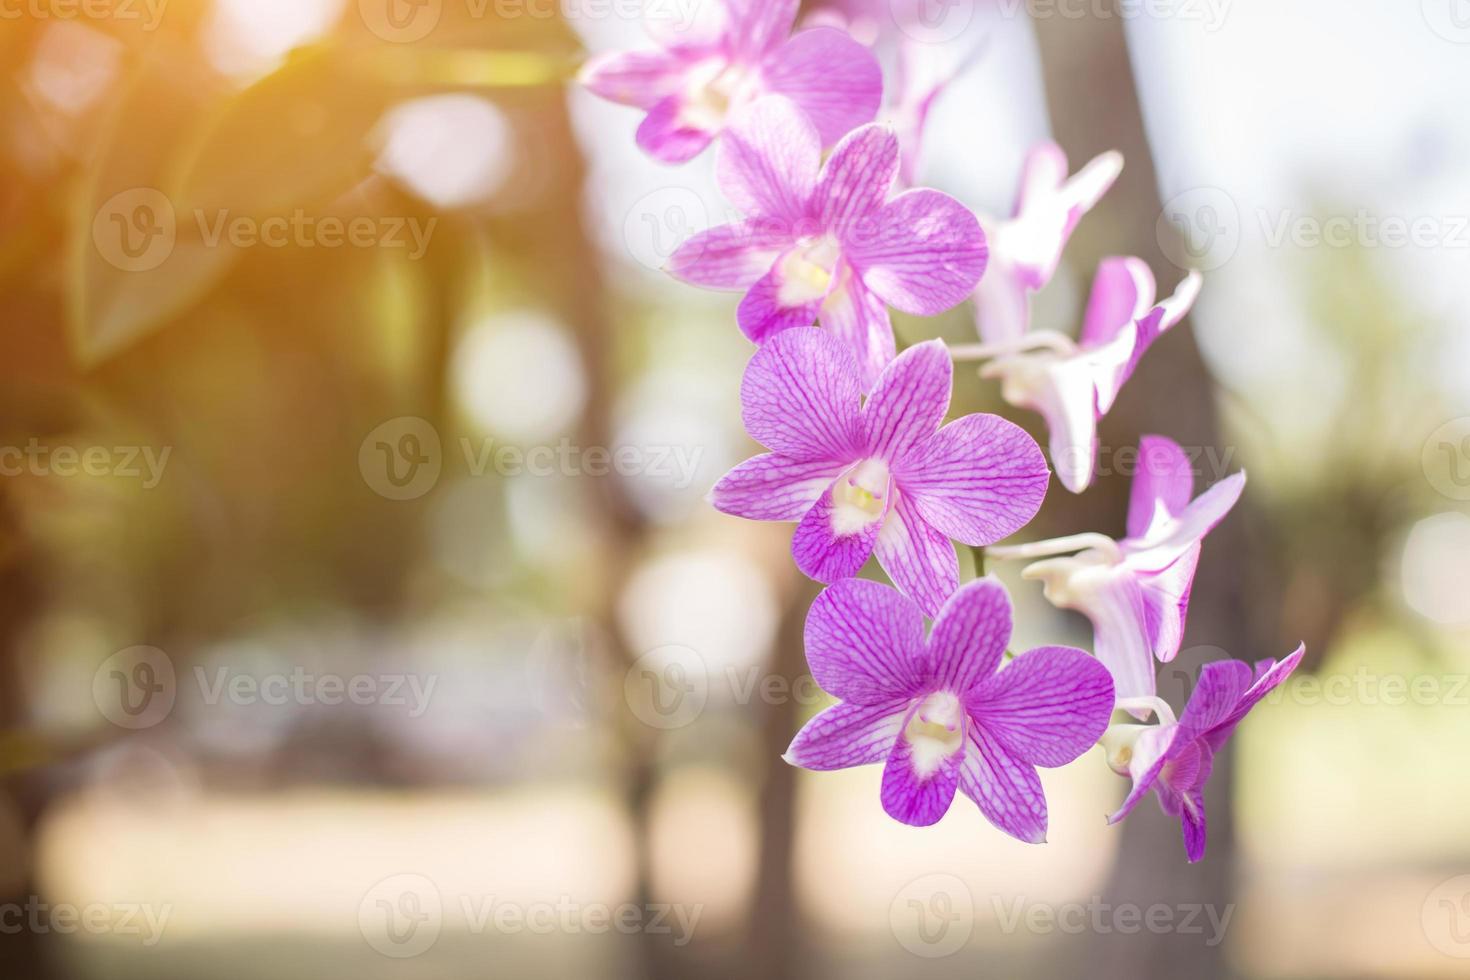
<point x="360" y="612"/>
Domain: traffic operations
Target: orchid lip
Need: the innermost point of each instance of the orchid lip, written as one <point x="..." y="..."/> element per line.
<point x="807" y="271"/>
<point x="935" y="730"/>
<point x="714" y="89"/>
<point x="862" y="496"/>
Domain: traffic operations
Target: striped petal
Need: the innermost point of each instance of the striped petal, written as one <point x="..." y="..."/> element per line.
<point x="978" y="480"/>
<point x="858" y="318"/>
<point x="668" y="135"/>
<point x="1007" y="790"/>
<point x="826" y="548"/>
<point x="835" y="80"/>
<point x="1046" y="707"/>
<point x="768" y="161"/>
<point x="771" y="487"/>
<point x="636" y="78"/>
<point x="919" y="559"/>
<point x="733" y="256"/>
<point x="800" y="397"/>
<point x="848" y="735"/>
<point x="969" y="636"/>
<point x="865" y="643"/>
<point x="855" y="182"/>
<point x="908" y="402"/>
<point x="922" y="253"/>
<point x="914" y="795"/>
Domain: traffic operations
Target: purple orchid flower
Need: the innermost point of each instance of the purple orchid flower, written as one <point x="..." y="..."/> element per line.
<point x="879" y="477"/>
<point x="1026" y="250"/>
<point x="945" y="713"/>
<point x="1136" y="591"/>
<point x="825" y="242"/>
<point x="1174" y="758"/>
<point x="1073" y="384"/>
<point x="692" y="85"/>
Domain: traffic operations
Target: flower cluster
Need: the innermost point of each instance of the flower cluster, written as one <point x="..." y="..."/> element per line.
<point x="860" y="456"/>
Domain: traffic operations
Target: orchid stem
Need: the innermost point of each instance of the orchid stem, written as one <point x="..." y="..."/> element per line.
<point x="1032" y="340"/>
<point x="1057" y="546"/>
<point x="1157" y="705"/>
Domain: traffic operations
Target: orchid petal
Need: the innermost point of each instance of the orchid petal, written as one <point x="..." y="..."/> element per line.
<point x="635" y="78"/>
<point x="923" y="252"/>
<point x="1122" y="293"/>
<point x="970" y="635"/>
<point x="835" y="80"/>
<point x="1192" y="822"/>
<point x="1110" y="597"/>
<point x="1046" y="707"/>
<point x="1160" y="319"/>
<point x="800" y="397"/>
<point x="1050" y="206"/>
<point x="1221" y="685"/>
<point x="1007" y="790"/>
<point x="855" y="182"/>
<point x="1198" y="519"/>
<point x="771" y="487"/>
<point x="1002" y="305"/>
<point x="857" y="317"/>
<point x="865" y="643"/>
<point x="980" y="479"/>
<point x="848" y="734"/>
<point x="1162" y="487"/>
<point x="755" y="26"/>
<point x="768" y="161"/>
<point x="919" y="559"/>
<point x="733" y="256"/>
<point x="915" y="799"/>
<point x="1063" y="392"/>
<point x="1269" y="675"/>
<point x="910" y="399"/>
<point x="763" y="312"/>
<point x="825" y="553"/>
<point x="667" y="135"/>
<point x="1166" y="604"/>
<point x="1145" y="765"/>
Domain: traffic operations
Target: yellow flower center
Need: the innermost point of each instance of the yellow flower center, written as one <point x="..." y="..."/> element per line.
<point x="935" y="731"/>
